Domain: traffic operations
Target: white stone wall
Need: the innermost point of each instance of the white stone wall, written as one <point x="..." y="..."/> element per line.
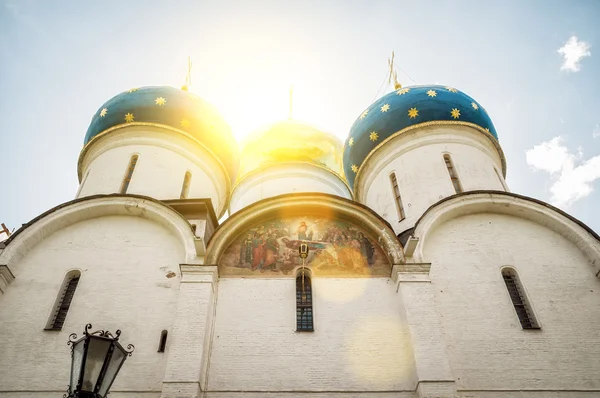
<point x="129" y="281"/>
<point x="490" y="353"/>
<point x="360" y="342"/>
<point x="416" y="158"/>
<point x="283" y="179"/>
<point x="164" y="158"/>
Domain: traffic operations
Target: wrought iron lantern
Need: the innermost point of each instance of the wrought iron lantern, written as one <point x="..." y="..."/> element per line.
<point x="96" y="358"/>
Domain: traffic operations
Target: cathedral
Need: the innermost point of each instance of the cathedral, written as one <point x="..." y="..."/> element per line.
<point x="397" y="264"/>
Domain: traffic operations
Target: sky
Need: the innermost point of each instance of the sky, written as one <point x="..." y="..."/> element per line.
<point x="534" y="66"/>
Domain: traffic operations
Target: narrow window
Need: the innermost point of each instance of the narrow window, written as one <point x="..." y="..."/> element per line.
<point x="63" y="302"/>
<point x="502" y="182"/>
<point x="82" y="182"/>
<point x="185" y="188"/>
<point x="129" y="173"/>
<point x="452" y="172"/>
<point x="519" y="300"/>
<point x="163" y="341"/>
<point x="399" y="206"/>
<point x="304" y="311"/>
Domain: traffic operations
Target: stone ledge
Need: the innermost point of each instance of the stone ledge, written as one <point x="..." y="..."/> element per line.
<point x="412" y="272"/>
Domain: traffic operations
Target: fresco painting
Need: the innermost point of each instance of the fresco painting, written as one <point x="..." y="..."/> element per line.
<point x="337" y="248"/>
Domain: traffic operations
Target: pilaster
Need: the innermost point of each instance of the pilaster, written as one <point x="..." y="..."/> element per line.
<point x="190" y="337"/>
<point x="432" y="363"/>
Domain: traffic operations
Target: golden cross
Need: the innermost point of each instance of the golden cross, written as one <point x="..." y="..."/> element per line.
<point x="393" y="76"/>
<point x="188" y="76"/>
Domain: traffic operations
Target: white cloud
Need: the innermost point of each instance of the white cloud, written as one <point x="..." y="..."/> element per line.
<point x="572" y="177"/>
<point x="573" y="51"/>
<point x="596" y="132"/>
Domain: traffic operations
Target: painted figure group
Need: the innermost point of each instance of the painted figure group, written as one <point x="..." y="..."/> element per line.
<point x="338" y="246"/>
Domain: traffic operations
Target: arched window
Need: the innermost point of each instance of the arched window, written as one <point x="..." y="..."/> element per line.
<point x="452" y="172"/>
<point x="185" y="188"/>
<point x="63" y="301"/>
<point x="519" y="299"/>
<point x="304" y="310"/>
<point x="163" y="341"/>
<point x="129" y="173"/>
<point x="399" y="206"/>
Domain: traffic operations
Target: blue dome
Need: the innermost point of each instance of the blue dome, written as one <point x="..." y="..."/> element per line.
<point x="172" y="108"/>
<point x="409" y="106"/>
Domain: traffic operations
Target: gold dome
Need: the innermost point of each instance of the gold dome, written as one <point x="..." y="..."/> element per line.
<point x="290" y="142"/>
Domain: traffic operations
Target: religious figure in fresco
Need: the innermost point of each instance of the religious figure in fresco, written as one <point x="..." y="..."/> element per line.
<point x="246" y="252"/>
<point x="271" y="247"/>
<point x="302" y="231"/>
<point x="336" y="248"/>
<point x="257" y="250"/>
<point x="366" y="248"/>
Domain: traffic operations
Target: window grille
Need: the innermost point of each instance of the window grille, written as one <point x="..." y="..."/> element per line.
<point x="519" y="300"/>
<point x="163" y="341"/>
<point x="64" y="302"/>
<point x="185" y="188"/>
<point x="398" y="198"/>
<point x="304" y="310"/>
<point x="129" y="173"/>
<point x="453" y="175"/>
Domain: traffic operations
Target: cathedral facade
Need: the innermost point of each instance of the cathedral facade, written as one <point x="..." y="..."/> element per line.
<point x="396" y="264"/>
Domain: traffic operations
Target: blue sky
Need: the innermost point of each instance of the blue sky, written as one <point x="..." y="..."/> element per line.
<point x="59" y="61"/>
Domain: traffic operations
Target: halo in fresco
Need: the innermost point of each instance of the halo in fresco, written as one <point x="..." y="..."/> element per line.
<point x="337" y="249"/>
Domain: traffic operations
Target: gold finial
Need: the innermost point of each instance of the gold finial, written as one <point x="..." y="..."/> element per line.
<point x="393" y="76"/>
<point x="291" y="100"/>
<point x="188" y="76"/>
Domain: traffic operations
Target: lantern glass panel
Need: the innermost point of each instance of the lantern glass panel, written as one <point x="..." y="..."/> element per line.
<point x="78" y="352"/>
<point x="96" y="355"/>
<point x="116" y="360"/>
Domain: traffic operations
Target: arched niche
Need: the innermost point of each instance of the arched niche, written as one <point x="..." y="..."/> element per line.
<point x="345" y="239"/>
<point x="78" y="210"/>
<point x="512" y="204"/>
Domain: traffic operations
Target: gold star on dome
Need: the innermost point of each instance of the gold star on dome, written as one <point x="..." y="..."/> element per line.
<point x="431" y="93"/>
<point x="364" y="114"/>
<point x="103" y="112"/>
<point x="373" y="136"/>
<point x="474" y="105"/>
<point x="452" y="90"/>
<point x="160" y="101"/>
<point x="185" y="123"/>
<point x="354" y="168"/>
<point x="129" y="117"/>
<point x="403" y="91"/>
<point x="131" y="90"/>
<point x="455" y="113"/>
<point x="413" y="113"/>
<point x="486" y="129"/>
<point x="385" y="108"/>
<point x="351" y="141"/>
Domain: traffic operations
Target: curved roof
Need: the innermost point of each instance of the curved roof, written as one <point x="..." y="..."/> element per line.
<point x="173" y="108"/>
<point x="406" y="107"/>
